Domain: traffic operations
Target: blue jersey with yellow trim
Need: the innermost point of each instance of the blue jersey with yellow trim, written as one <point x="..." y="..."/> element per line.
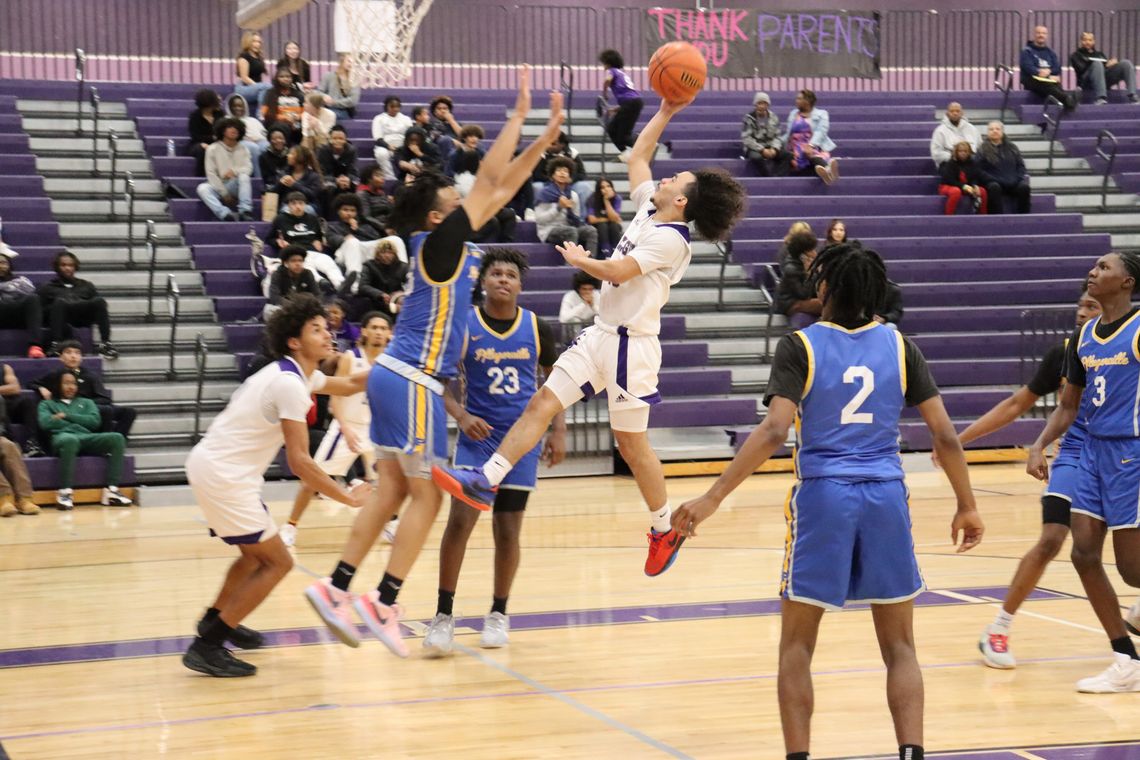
<point x="847" y="424"/>
<point x="501" y="369"/>
<point x="429" y="337"/>
<point x="1112" y="379"/>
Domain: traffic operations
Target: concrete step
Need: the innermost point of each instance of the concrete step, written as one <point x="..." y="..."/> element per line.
<point x="63" y="108"/>
<point x="38" y="123"/>
<point x="1077" y="201"/>
<point x="149" y="458"/>
<point x="100" y="187"/>
<point x="155" y="337"/>
<point x="155" y="423"/>
<point x="63" y="166"/>
<point x="714" y="324"/>
<point x="76" y="233"/>
<point x="750" y="378"/>
<point x="212" y="390"/>
<point x="191" y="308"/>
<point x="1112" y="222"/>
<point x="189" y="282"/>
<point x="1069" y="183"/>
<point x="102" y="208"/>
<point x="167" y="256"/>
<point x="81" y="146"/>
<point x="158" y="362"/>
<point x="1126" y="241"/>
<point x="724" y="349"/>
<point x="703" y="299"/>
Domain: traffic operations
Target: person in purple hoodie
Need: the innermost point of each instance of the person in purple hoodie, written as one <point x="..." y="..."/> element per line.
<point x="629" y="103"/>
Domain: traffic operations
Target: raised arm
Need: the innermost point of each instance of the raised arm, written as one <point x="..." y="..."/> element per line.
<point x="642" y="151"/>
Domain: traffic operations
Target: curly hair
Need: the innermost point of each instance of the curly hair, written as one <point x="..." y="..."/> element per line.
<point x="415" y="201"/>
<point x="856" y="280"/>
<point x="347" y="199"/>
<point x="715" y="203"/>
<point x="441" y="99"/>
<point x="207" y="98"/>
<point x="221" y="125"/>
<point x="800" y="243"/>
<point x="611" y="59"/>
<point x="289" y="322"/>
<point x="502" y="255"/>
<point x="560" y="162"/>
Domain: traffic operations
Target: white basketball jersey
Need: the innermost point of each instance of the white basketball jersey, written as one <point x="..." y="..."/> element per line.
<point x="663" y="252"/>
<point x="356" y="411"/>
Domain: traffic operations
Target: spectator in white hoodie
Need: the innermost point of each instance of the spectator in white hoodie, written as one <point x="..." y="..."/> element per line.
<point x="255" y="139"/>
<point x="955" y="128"/>
<point x="388" y="130"/>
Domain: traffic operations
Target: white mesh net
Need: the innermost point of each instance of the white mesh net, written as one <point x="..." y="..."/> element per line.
<point x="379" y="35"/>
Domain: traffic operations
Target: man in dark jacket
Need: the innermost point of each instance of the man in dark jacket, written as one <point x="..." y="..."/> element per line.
<point x="1097" y="72"/>
<point x="337" y="160"/>
<point x="71" y="301"/>
<point x="1041" y="69"/>
<point x="760" y="139"/>
<point x="19" y="305"/>
<point x="274" y="162"/>
<point x="795" y="297"/>
<point x="289" y="279"/>
<point x="381" y="281"/>
<point x="376" y="204"/>
<point x="1001" y="161"/>
<point x="116" y="419"/>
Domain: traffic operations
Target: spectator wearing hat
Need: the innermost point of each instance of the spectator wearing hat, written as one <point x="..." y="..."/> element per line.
<point x="760" y="139"/>
<point x="19" y="304"/>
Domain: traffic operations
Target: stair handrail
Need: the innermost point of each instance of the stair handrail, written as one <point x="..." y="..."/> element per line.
<point x="724" y="248"/>
<point x="95" y="131"/>
<point x="201" y="353"/>
<point x="1004" y="86"/>
<point x="1109" y="159"/>
<point x="152" y="248"/>
<point x="80" y="78"/>
<point x="113" y="149"/>
<point x="1052" y="121"/>
<point x="173" y="305"/>
<point x="774" y="274"/>
<point x="566" y="82"/>
<point x="129" y="193"/>
<point x="602" y="109"/>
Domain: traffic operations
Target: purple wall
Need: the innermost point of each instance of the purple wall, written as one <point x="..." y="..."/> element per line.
<point x="474" y="43"/>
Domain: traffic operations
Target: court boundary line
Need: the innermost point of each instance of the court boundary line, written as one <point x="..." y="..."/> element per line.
<point x="978" y="750"/>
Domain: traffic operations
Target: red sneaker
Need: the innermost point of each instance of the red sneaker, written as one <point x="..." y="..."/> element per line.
<point x="35" y="352"/>
<point x="663" y="548"/>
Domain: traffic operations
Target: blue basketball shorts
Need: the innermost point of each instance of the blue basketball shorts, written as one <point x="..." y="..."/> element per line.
<point x="472" y="454"/>
<point x="849" y="542"/>
<point x="1108" y="482"/>
<point x="408" y="420"/>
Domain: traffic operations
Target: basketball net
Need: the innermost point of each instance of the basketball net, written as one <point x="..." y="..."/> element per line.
<point x="379" y="35"/>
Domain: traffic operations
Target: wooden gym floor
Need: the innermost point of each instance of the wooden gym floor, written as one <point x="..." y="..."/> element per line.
<point x="603" y="661"/>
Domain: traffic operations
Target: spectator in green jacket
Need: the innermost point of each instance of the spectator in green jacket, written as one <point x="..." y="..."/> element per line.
<point x="73" y="423"/>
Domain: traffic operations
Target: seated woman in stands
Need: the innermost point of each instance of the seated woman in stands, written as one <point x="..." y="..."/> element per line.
<point x="805" y="137"/>
<point x="962" y="176"/>
<point x="250" y="69"/>
<point x="297" y="67"/>
<point x="284" y="105"/>
<point x="304" y="176"/>
<point x="836" y="233"/>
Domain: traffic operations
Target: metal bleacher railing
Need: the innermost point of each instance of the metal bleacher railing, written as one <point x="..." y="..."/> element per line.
<point x="1003" y="82"/>
<point x="1040" y="330"/>
<point x="152" y="250"/>
<point x="173" y="306"/>
<point x="1052" y="114"/>
<point x="566" y="84"/>
<point x="587" y="422"/>
<point x="1109" y="158"/>
<point x="201" y="354"/>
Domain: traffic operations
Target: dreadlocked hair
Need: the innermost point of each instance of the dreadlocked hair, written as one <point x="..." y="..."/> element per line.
<point x="856" y="282"/>
<point x="1131" y="262"/>
<point x="498" y="255"/>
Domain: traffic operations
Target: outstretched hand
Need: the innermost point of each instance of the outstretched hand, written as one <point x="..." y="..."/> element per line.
<point x="522" y="101"/>
<point x="554" y="123"/>
<point x="573" y="253"/>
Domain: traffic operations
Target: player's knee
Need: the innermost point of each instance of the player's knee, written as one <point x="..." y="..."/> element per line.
<point x="1049" y="545"/>
<point x="634" y="447"/>
<point x="1084" y="558"/>
<point x="505" y="528"/>
<point x="897" y="652"/>
<point x="544" y="404"/>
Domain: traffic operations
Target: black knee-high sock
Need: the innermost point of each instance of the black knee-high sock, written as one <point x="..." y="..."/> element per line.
<point x="389" y="588"/>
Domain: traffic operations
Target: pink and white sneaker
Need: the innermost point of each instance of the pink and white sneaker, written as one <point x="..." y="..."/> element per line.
<point x="382" y="620"/>
<point x="994" y="646"/>
<point x="335" y="608"/>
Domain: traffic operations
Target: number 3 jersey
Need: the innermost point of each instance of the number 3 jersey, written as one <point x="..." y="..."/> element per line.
<point x="1104" y="359"/>
<point x="851" y="385"/>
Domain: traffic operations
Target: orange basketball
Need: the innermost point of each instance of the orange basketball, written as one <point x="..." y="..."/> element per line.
<point x="677" y="71"/>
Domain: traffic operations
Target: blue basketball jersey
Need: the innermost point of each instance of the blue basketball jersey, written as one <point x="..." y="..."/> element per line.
<point x="847" y="424"/>
<point x="501" y="370"/>
<point x="1112" y="379"/>
<point x="429" y="336"/>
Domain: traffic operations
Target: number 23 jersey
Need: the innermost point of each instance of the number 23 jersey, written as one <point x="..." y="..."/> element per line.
<point x="851" y="385"/>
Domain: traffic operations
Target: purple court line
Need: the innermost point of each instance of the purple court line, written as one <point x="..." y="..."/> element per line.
<point x="1123" y="750"/>
<point x="291" y="637"/>
<point x="499" y="695"/>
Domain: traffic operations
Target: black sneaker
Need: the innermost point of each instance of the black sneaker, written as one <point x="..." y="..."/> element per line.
<point x="108" y="352"/>
<point x="245" y="216"/>
<point x="216" y="661"/>
<point x="346" y="287"/>
<point x="33" y="450"/>
<point x="242" y="637"/>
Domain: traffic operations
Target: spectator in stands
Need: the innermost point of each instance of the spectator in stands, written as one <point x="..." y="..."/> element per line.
<point x="19" y="305"/>
<point x="337" y="161"/>
<point x="1097" y="72"/>
<point x="341" y="93"/>
<point x="836" y="233"/>
<point x="421" y="117"/>
<point x="805" y="136"/>
<point x="15" y="482"/>
<point x="228" y="171"/>
<point x="416" y="156"/>
<point x="316" y="121"/>
<point x="892" y="311"/>
<point x="207" y="110"/>
<point x="115" y="418"/>
<point x="21" y="408"/>
<point x="623" y="116"/>
<point x="289" y="278"/>
<point x="382" y="278"/>
<point x="345" y="334"/>
<point x="352" y="240"/>
<point x="73" y="422"/>
<point x="284" y="106"/>
<point x="388" y="130"/>
<point x="556" y="210"/>
<point x="955" y="128"/>
<point x="604" y="212"/>
<point x="255" y="139"/>
<point x="376" y="206"/>
<point x="760" y="139"/>
<point x="961" y="176"/>
<point x="793" y="228"/>
<point x="443" y="129"/>
<point x="304" y="176"/>
<point x="1041" y="69"/>
<point x="250" y="68"/>
<point x="274" y="162"/>
<point x="297" y="225"/>
<point x="466" y="158"/>
<point x="298" y="68"/>
<point x="580" y="304"/>
<point x="795" y="296"/>
<point x="70" y="301"/>
<point x="1001" y="161"/>
<point x="579" y="182"/>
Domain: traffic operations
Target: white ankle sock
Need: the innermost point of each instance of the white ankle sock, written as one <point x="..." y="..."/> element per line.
<point x="660" y="518"/>
<point x="1004" y="621"/>
<point x="496" y="468"/>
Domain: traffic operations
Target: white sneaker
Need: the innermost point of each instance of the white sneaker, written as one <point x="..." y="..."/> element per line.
<point x="289" y="535"/>
<point x="1121" y="676"/>
<point x="64" y="500"/>
<point x="335" y="608"/>
<point x="624" y="156"/>
<point x="388" y="535"/>
<point x="113" y="497"/>
<point x="440" y="635"/>
<point x="1132" y="619"/>
<point x="496" y="627"/>
<point x="994" y="646"/>
<point x="528" y="215"/>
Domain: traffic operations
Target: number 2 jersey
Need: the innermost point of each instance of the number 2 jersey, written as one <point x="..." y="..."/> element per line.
<point x="851" y="385"/>
<point x="1104" y="359"/>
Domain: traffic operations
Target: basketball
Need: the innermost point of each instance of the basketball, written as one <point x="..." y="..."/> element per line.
<point x="677" y="71"/>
